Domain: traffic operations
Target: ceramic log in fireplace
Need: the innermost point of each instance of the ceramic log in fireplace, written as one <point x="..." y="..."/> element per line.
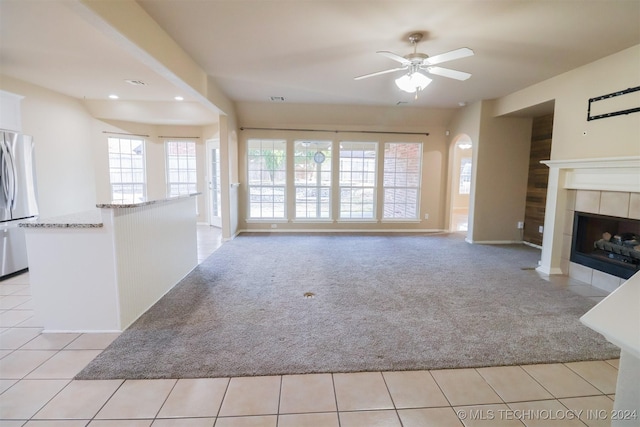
<point x="606" y="243"/>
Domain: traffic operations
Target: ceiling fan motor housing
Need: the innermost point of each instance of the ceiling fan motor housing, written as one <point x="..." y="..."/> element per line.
<point x="416" y="58"/>
<point x="415" y="38"/>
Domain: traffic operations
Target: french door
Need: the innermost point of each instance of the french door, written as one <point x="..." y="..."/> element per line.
<point x="213" y="166"/>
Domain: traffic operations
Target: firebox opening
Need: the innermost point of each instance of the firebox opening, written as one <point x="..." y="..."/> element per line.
<point x="606" y="243"/>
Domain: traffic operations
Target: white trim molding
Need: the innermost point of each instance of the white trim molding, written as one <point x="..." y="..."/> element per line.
<point x="494" y="242"/>
<point x="606" y="174"/>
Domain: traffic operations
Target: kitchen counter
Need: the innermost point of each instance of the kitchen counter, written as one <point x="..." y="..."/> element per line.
<point x="617" y="318"/>
<point x="87" y="219"/>
<point x="99" y="270"/>
<point x="93" y="218"/>
<point x="120" y="205"/>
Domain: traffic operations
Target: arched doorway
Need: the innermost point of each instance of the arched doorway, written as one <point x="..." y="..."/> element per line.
<point x="462" y="165"/>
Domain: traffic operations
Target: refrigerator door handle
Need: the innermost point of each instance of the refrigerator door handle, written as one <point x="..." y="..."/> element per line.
<point x="9" y="176"/>
<point x="13" y="175"/>
<point x="4" y="177"/>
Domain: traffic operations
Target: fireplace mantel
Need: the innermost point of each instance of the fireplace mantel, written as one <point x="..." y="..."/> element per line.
<point x="599" y="174"/>
<point x="605" y="174"/>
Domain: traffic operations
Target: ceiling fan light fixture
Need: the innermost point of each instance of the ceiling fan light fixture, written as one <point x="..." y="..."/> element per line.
<point x="413" y="82"/>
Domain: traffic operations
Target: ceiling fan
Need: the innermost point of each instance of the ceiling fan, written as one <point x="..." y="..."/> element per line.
<point x="416" y="63"/>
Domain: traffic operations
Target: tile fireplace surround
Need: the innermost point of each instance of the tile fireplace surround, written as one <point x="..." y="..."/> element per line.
<point x="609" y="186"/>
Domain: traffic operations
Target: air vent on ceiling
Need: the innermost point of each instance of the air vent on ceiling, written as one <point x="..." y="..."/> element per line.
<point x="277" y="98"/>
<point x="136" y="82"/>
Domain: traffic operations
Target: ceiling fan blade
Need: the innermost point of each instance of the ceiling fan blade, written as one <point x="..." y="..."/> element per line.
<point x="379" y="72"/>
<point x="447" y="72"/>
<point x="395" y="57"/>
<point x="463" y="52"/>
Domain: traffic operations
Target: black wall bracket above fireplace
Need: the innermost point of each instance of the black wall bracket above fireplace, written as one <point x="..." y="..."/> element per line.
<point x="606" y="243"/>
<point x="610" y="109"/>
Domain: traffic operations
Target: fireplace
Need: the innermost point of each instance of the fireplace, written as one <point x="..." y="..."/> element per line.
<point x="606" y="243"/>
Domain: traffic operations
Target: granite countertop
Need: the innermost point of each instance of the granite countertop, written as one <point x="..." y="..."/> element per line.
<point x="87" y="219"/>
<point x="92" y="218"/>
<point x="120" y="205"/>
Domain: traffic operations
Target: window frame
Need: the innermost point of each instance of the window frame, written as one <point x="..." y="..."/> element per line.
<point x="311" y="147"/>
<point x="369" y="184"/>
<point x="191" y="185"/>
<point x="281" y="168"/>
<point x="121" y="171"/>
<point x="417" y="188"/>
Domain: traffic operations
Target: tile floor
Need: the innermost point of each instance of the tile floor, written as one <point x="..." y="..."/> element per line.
<point x="37" y="387"/>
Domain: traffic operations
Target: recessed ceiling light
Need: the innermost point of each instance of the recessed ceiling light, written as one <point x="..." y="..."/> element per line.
<point x="178" y="98"/>
<point x="136" y="82"/>
<point x="113" y="96"/>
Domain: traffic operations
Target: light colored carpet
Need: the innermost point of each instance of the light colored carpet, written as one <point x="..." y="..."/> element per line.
<point x="381" y="303"/>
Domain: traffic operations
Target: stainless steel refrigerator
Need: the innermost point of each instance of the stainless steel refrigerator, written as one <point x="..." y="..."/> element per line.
<point x="18" y="199"/>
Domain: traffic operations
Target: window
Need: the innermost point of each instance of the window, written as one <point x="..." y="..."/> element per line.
<point x="267" y="178"/>
<point x="357" y="180"/>
<point x="181" y="168"/>
<point x="127" y="170"/>
<point x="401" y="180"/>
<point x="312" y="163"/>
<point x="465" y="176"/>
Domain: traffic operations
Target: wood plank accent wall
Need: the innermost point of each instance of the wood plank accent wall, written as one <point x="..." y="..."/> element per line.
<point x="541" y="133"/>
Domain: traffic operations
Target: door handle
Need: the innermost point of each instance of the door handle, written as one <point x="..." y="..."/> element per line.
<point x="4" y="177"/>
<point x="9" y="175"/>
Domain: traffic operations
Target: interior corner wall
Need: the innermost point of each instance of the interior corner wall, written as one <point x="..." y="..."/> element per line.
<point x="501" y="173"/>
<point x="573" y="136"/>
<point x="61" y="130"/>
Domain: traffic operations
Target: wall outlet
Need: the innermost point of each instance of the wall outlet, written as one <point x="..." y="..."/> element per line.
<point x="426" y="216"/>
<point x="520" y="225"/>
<point x="274" y="225"/>
<point x="541" y="229"/>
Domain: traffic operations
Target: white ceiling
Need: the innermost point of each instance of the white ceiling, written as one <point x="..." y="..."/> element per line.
<point x="309" y="51"/>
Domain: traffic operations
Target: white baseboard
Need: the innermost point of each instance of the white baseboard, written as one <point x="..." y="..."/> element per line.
<point x="81" y="331"/>
<point x="342" y="230"/>
<point x="549" y="271"/>
<point x="532" y="245"/>
<point x="232" y="237"/>
<point x="494" y="242"/>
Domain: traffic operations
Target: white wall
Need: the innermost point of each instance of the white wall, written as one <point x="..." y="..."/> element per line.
<point x="502" y="171"/>
<point x="573" y="136"/>
<point x="61" y="129"/>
